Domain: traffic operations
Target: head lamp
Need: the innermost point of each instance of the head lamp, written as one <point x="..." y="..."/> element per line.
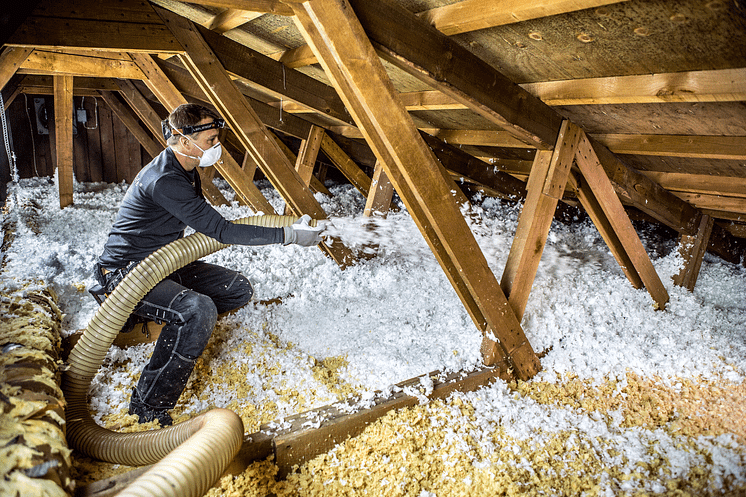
<point x="190" y="129"/>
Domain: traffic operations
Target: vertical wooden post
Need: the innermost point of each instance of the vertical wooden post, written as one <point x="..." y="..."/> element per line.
<point x="546" y="184"/>
<point x="63" y="126"/>
<point x="692" y="250"/>
<point x="349" y="60"/>
<point x="381" y="192"/>
<point x="309" y="151"/>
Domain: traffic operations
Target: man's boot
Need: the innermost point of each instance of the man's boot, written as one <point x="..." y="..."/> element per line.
<point x="158" y="390"/>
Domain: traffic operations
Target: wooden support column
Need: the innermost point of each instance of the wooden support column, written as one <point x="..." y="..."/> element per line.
<point x="350" y="62"/>
<point x="215" y="82"/>
<point x="601" y="187"/>
<point x="63" y="132"/>
<point x="346" y="165"/>
<point x="546" y="183"/>
<point x="309" y="151"/>
<point x="692" y="250"/>
<point x="381" y="192"/>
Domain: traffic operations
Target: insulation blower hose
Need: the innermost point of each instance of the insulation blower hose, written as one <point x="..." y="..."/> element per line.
<point x="192" y="454"/>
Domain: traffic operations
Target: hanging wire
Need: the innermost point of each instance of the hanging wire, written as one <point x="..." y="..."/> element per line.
<point x="95" y="101"/>
<point x="33" y="142"/>
<point x="11" y="154"/>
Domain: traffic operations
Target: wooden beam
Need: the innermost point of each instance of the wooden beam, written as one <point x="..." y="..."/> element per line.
<point x="63" y="128"/>
<point x="42" y="62"/>
<point x="699" y="183"/>
<point x="132" y="123"/>
<point x="723" y="85"/>
<point x="378" y="202"/>
<point x="225" y="96"/>
<point x="715" y="203"/>
<point x="43" y="84"/>
<point x="308" y="153"/>
<point x="158" y="83"/>
<point x="471" y="15"/>
<point x="242" y="184"/>
<point x="708" y="147"/>
<point x="487" y="138"/>
<point x="692" y="249"/>
<point x="595" y="176"/>
<point x="315" y="185"/>
<point x="301" y="443"/>
<point x="143" y="109"/>
<point x="264" y="6"/>
<point x="546" y="183"/>
<point x="129" y="25"/>
<point x="297" y="57"/>
<point x="348" y="58"/>
<point x="420" y="50"/>
<point x="11" y="60"/>
<point x="430" y="100"/>
<point x="345" y="165"/>
<point x="230" y="19"/>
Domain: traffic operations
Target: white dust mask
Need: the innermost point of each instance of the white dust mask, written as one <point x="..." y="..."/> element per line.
<point x="209" y="156"/>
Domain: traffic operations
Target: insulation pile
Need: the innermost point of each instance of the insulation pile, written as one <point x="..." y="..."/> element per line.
<point x="34" y="458"/>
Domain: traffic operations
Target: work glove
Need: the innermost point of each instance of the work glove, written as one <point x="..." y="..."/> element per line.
<point x="302" y="233"/>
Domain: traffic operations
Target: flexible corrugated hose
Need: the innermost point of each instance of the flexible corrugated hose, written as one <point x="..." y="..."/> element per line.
<point x="192" y="454"/>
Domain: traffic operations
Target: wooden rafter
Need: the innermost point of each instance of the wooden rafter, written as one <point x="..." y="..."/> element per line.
<point x="11" y="60"/>
<point x="132" y="123"/>
<point x="349" y="60"/>
<point x="726" y="186"/>
<point x="230" y="19"/>
<point x="712" y="147"/>
<point x="595" y="177"/>
<point x="471" y="15"/>
<point x="345" y="165"/>
<point x="225" y="96"/>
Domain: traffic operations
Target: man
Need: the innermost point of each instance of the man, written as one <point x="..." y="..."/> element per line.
<point x="163" y="199"/>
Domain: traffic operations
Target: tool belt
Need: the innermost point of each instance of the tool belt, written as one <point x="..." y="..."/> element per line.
<point x="107" y="281"/>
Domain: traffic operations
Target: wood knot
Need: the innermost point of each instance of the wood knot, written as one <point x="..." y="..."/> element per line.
<point x="534" y="35"/>
<point x="585" y="37"/>
<point x="642" y="31"/>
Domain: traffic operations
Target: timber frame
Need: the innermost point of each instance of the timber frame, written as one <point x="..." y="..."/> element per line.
<point x="414" y="103"/>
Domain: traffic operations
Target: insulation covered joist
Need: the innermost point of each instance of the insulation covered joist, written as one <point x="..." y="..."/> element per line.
<point x="34" y="457"/>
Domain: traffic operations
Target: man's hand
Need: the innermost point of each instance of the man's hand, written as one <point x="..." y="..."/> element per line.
<point x="302" y="233"/>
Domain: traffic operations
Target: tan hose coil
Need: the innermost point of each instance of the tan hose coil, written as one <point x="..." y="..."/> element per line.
<point x="198" y="450"/>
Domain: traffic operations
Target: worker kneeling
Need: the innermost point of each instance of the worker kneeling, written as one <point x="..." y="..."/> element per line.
<point x="164" y="198"/>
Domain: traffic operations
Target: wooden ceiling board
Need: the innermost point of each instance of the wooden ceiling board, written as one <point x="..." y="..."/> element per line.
<point x="688" y="165"/>
<point x="689" y="118"/>
<point x="634" y="37"/>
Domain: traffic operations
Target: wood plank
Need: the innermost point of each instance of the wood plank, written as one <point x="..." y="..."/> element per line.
<point x="265" y="6"/>
<point x="211" y="192"/>
<point x="472" y="15"/>
<point x="63" y="127"/>
<point x="42" y="85"/>
<point x="699" y="183"/>
<point x="275" y="77"/>
<point x="480" y="137"/>
<point x="308" y="153"/>
<point x="130" y="120"/>
<point x="723" y="85"/>
<point x="43" y="62"/>
<point x="715" y="204"/>
<point x="300" y="443"/>
<point x="595" y="176"/>
<point x="157" y="82"/>
<point x="230" y="19"/>
<point x="420" y="50"/>
<point x="594" y="210"/>
<point x="225" y="96"/>
<point x="378" y="202"/>
<point x="49" y="32"/>
<point x="108" y="157"/>
<point x="547" y="181"/>
<point x="346" y="165"/>
<point x="430" y="100"/>
<point x="297" y="57"/>
<point x="348" y="58"/>
<point x="11" y="60"/>
<point x="143" y="109"/>
<point x="692" y="249"/>
<point x="712" y="147"/>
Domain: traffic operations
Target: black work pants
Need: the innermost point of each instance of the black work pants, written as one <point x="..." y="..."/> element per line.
<point x="188" y="301"/>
